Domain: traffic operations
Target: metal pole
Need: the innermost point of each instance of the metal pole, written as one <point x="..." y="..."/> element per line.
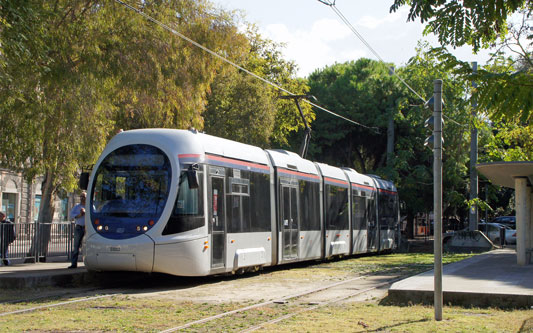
<point x="486" y="200"/>
<point x="473" y="215"/>
<point x="437" y="197"/>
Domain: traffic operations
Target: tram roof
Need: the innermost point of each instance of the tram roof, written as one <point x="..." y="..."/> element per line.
<point x="331" y="171"/>
<point x="358" y="178"/>
<point x="384" y="184"/>
<point x="233" y="149"/>
<point x="192" y="142"/>
<point x="289" y="160"/>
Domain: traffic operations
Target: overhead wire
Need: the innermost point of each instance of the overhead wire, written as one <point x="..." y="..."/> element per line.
<point x="213" y="53"/>
<point x="363" y="40"/>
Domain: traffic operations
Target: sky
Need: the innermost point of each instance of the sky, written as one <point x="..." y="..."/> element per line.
<point x="315" y="37"/>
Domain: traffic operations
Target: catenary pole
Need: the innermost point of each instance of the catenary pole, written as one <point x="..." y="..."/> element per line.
<point x="473" y="212"/>
<point x="437" y="196"/>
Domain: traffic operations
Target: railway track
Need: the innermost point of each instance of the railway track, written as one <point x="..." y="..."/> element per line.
<point x="316" y="306"/>
<point x="283" y="300"/>
<point x="78" y="295"/>
<point x="49" y="306"/>
<point x="298" y="302"/>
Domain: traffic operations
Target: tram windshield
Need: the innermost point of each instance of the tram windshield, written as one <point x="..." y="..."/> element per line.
<point x="132" y="182"/>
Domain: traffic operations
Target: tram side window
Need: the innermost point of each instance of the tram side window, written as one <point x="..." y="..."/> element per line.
<point x="260" y="201"/>
<point x="394" y="220"/>
<point x="388" y="209"/>
<point x="359" y="213"/>
<point x="336" y="208"/>
<point x="248" y="201"/>
<point x="371" y="209"/>
<point x="238" y="201"/>
<point x="310" y="205"/>
<point x="188" y="211"/>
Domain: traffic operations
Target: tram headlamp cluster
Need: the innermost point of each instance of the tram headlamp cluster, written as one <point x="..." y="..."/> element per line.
<point x="143" y="228"/>
<point x="139" y="228"/>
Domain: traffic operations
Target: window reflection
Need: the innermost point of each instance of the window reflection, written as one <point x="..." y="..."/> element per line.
<point x="131" y="182"/>
<point x="388" y="209"/>
<point x="188" y="211"/>
<point x="336" y="208"/>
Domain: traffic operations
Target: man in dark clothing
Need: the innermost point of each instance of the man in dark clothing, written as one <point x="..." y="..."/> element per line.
<point x="7" y="236"/>
<point x="78" y="214"/>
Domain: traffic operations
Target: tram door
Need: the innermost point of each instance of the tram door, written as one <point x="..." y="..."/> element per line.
<point x="217" y="222"/>
<point x="373" y="230"/>
<point x="289" y="221"/>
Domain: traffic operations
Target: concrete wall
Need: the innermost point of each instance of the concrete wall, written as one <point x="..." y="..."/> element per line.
<point x="523" y="220"/>
<point x="468" y="241"/>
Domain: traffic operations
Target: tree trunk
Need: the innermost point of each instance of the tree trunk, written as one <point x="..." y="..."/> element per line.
<point x="39" y="246"/>
<point x="390" y="140"/>
<point x="409" y="228"/>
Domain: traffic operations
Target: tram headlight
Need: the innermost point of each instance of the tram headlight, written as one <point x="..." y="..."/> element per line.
<point x="106" y="228"/>
<point x="99" y="228"/>
<point x="138" y="228"/>
<point x="145" y="228"/>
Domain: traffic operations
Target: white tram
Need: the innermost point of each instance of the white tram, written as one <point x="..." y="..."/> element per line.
<point x="190" y="204"/>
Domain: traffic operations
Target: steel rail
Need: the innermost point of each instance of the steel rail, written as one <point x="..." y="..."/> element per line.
<point x="65" y="294"/>
<point x="289" y="315"/>
<point x="250" y="307"/>
<point x="57" y="304"/>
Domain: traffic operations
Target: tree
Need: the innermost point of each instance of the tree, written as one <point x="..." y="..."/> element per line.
<point x="50" y="94"/>
<point x="469" y="22"/>
<point x="163" y="80"/>
<point x="248" y="110"/>
<point x="241" y="108"/>
<point x="364" y="92"/>
<point x="485" y="24"/>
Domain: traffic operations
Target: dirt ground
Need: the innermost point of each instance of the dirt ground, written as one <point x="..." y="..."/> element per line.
<point x="272" y="285"/>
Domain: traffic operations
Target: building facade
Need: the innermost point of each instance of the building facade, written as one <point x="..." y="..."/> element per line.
<point x="21" y="200"/>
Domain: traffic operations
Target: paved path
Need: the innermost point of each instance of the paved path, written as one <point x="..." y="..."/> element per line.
<point x="489" y="279"/>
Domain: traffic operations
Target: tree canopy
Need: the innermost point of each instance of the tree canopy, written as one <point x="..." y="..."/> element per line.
<point x="504" y="86"/>
<point x="243" y="108"/>
<point x="470" y="22"/>
<point x="360" y="90"/>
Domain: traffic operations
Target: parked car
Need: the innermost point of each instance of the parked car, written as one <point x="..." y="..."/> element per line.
<point x="492" y="231"/>
<point x="510" y="235"/>
<point x="509" y="221"/>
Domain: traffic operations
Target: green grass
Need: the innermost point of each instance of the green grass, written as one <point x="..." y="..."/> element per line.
<point x="132" y="315"/>
<point x="362" y="317"/>
<point x="398" y="263"/>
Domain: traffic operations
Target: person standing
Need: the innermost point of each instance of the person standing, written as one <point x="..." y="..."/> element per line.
<point x="7" y="236"/>
<point x="78" y="214"/>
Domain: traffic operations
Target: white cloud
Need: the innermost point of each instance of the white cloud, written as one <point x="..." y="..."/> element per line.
<point x="372" y="22"/>
<point x="330" y="30"/>
<point x="328" y="41"/>
<point x="353" y="54"/>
